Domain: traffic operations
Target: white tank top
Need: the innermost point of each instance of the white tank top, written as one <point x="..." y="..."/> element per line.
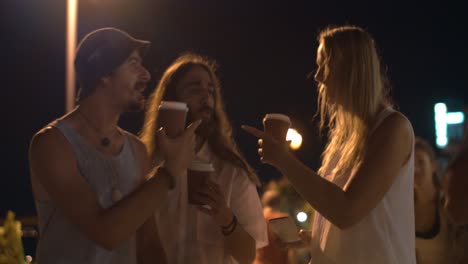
<point x="384" y="236"/>
<point x="62" y="242"/>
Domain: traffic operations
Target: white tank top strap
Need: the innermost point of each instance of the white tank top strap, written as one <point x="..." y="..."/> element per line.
<point x="387" y="111"/>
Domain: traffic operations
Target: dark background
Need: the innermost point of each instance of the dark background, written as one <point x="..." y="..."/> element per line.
<point x="265" y="50"/>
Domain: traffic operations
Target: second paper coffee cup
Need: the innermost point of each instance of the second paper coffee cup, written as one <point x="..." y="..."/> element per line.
<point x="197" y="174"/>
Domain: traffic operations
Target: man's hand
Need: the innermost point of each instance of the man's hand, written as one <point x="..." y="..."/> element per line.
<point x="213" y="203"/>
<point x="180" y="151"/>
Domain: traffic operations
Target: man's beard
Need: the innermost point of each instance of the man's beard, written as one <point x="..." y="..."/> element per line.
<point x="207" y="126"/>
<point x="137" y="103"/>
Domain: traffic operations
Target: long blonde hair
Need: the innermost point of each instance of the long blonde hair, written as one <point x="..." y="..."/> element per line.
<point x="360" y="85"/>
<point x="221" y="141"/>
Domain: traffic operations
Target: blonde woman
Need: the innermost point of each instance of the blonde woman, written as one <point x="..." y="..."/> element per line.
<point x="363" y="191"/>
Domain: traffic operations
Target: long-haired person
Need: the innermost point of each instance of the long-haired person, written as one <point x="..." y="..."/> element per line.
<point x="432" y="229"/>
<point x="363" y="191"/>
<point x="233" y="226"/>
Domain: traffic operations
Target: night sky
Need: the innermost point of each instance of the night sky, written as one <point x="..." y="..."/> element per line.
<point x="265" y="50"/>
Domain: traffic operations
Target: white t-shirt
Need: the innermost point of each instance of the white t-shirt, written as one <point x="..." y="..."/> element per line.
<point x="190" y="236"/>
<point x="385" y="236"/>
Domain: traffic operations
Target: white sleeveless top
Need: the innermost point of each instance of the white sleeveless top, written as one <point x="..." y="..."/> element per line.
<point x="384" y="236"/>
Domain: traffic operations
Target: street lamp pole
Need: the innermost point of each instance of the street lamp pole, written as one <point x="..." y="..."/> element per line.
<point x="72" y="15"/>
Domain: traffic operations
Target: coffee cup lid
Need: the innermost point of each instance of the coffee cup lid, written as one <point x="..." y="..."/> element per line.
<point x="276" y="116"/>
<point x="173" y="105"/>
<point x="198" y="165"/>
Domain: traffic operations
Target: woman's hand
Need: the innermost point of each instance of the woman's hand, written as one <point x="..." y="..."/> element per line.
<point x="271" y="151"/>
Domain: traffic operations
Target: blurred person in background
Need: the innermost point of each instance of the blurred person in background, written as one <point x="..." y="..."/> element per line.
<point x="456" y="202"/>
<point x="432" y="229"/>
<point x="275" y="252"/>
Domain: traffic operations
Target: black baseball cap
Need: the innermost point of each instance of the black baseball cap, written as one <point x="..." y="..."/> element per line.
<point x="102" y="51"/>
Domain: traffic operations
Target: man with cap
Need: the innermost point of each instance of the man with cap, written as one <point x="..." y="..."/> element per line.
<point x="93" y="184"/>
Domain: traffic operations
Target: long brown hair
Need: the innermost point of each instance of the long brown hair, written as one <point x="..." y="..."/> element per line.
<point x="221" y="141"/>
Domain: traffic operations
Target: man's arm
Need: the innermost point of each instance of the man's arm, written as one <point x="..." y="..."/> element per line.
<point x="149" y="247"/>
<point x="245" y="204"/>
<point x="53" y="164"/>
<point x="241" y="245"/>
<point x="252" y="229"/>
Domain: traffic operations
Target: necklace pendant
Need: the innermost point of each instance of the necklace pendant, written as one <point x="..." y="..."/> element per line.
<point x="116" y="195"/>
<point x="105" y="141"/>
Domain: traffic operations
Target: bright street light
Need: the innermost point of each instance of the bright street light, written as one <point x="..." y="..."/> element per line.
<point x="301" y="217"/>
<point x="295" y="138"/>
